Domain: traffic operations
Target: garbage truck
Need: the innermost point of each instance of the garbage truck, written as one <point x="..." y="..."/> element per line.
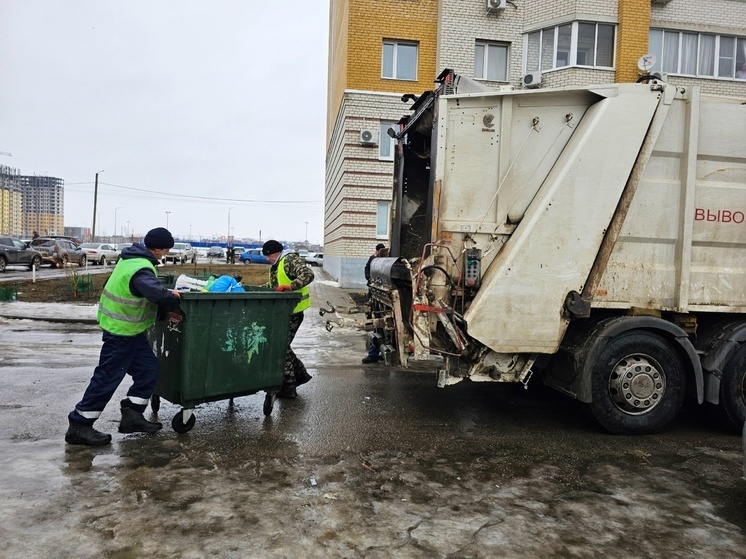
<point x="593" y="238"/>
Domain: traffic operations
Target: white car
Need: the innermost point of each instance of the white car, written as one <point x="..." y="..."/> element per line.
<point x="181" y="253"/>
<point x="100" y="253"/>
<point x="315" y="259"/>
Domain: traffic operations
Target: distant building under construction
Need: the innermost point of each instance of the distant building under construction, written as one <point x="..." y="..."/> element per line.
<point x="30" y="203"/>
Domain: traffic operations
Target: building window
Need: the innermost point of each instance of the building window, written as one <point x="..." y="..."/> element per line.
<point x="386" y="143"/>
<point x="491" y="61"/>
<point x="383" y="217"/>
<point x="399" y="61"/>
<point x="572" y="44"/>
<point x="698" y="54"/>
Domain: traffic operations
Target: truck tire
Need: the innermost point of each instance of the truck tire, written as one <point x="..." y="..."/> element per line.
<point x="638" y="383"/>
<point x="733" y="389"/>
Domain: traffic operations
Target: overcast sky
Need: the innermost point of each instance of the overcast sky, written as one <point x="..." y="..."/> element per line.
<point x="191" y="107"/>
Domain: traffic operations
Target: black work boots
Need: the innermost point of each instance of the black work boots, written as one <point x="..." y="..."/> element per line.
<point x="302" y="377"/>
<point x="288" y="390"/>
<point x="134" y="422"/>
<point x="78" y="433"/>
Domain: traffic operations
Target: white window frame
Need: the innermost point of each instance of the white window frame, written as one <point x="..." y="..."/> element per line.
<point x="662" y="39"/>
<point x="569" y="57"/>
<point x="491" y="46"/>
<point x="383" y="219"/>
<point x="395" y="59"/>
<point x="386" y="144"/>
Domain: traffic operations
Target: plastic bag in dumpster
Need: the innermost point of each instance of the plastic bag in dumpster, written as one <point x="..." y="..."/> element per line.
<point x="186" y="283"/>
<point x="225" y="284"/>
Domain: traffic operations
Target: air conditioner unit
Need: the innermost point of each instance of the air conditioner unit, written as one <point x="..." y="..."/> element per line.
<point x="368" y="136"/>
<point x="494" y="6"/>
<point x="532" y="79"/>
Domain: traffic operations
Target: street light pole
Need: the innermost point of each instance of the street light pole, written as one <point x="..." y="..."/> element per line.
<point x="95" y="201"/>
<point x="167" y="219"/>
<point x="229" y="224"/>
<point x="306" y="232"/>
<point x="128" y="229"/>
<point x="115" y="222"/>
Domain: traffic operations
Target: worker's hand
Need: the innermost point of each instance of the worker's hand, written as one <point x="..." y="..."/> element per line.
<point x="284" y="288"/>
<point x="176" y="293"/>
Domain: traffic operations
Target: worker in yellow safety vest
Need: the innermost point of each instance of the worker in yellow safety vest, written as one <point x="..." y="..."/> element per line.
<point x="289" y="272"/>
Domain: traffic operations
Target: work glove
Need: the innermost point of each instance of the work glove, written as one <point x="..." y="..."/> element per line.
<point x="284" y="288"/>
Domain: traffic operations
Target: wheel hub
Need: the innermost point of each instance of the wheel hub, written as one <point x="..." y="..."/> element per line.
<point x="637" y="384"/>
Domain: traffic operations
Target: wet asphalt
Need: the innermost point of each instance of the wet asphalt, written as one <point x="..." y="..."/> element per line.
<point x="368" y="462"/>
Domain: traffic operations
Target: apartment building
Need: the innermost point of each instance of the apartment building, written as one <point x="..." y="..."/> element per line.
<point x="382" y="50"/>
<point x="30" y="203"/>
<point x="43" y="206"/>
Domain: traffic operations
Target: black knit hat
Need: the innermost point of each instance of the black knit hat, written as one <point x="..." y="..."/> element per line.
<point x="270" y="247"/>
<point x="379" y="246"/>
<point x="159" y="238"/>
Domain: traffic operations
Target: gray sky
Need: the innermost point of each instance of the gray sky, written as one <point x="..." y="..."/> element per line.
<point x="192" y="107"/>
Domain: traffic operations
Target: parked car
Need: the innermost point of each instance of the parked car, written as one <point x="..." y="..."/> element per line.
<point x="315" y="259"/>
<point x="215" y="251"/>
<point x="181" y="252"/>
<point x="14" y="252"/>
<point x="253" y="256"/>
<point x="303" y="253"/>
<point x="100" y="253"/>
<point x="59" y="251"/>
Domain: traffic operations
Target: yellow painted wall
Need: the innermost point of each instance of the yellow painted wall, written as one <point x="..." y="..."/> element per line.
<point x="632" y="38"/>
<point x="357" y="31"/>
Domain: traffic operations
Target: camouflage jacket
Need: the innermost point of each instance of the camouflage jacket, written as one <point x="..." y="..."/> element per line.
<point x="295" y="269"/>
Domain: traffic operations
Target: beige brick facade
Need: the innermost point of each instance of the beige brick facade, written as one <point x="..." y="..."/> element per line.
<point x="446" y="32"/>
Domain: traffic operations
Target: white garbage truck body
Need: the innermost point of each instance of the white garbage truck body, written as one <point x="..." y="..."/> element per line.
<point x="594" y="236"/>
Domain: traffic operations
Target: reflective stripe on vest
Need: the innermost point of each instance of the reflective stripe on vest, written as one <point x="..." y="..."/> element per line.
<point x="283" y="279"/>
<point x="119" y="311"/>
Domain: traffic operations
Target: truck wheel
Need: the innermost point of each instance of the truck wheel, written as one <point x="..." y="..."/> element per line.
<point x="178" y="423"/>
<point x="637" y="384"/>
<point x="733" y="389"/>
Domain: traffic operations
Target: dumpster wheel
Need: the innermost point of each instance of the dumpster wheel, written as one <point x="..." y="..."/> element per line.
<point x="269" y="403"/>
<point x="155" y="403"/>
<point x="178" y="421"/>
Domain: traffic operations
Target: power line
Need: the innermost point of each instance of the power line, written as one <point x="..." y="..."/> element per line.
<point x="195" y="197"/>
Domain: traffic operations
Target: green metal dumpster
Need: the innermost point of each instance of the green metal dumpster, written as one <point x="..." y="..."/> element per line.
<point x="219" y="346"/>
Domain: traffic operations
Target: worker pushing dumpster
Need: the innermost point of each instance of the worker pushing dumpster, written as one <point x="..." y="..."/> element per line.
<point x="220" y="346"/>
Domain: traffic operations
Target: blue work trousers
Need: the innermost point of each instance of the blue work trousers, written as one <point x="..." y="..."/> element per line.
<point x="120" y="355"/>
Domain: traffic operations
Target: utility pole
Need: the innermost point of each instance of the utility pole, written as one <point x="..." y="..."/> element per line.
<point x="115" y="222"/>
<point x="95" y="201"/>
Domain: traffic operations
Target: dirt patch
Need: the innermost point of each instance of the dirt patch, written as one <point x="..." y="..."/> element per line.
<point x="85" y="287"/>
